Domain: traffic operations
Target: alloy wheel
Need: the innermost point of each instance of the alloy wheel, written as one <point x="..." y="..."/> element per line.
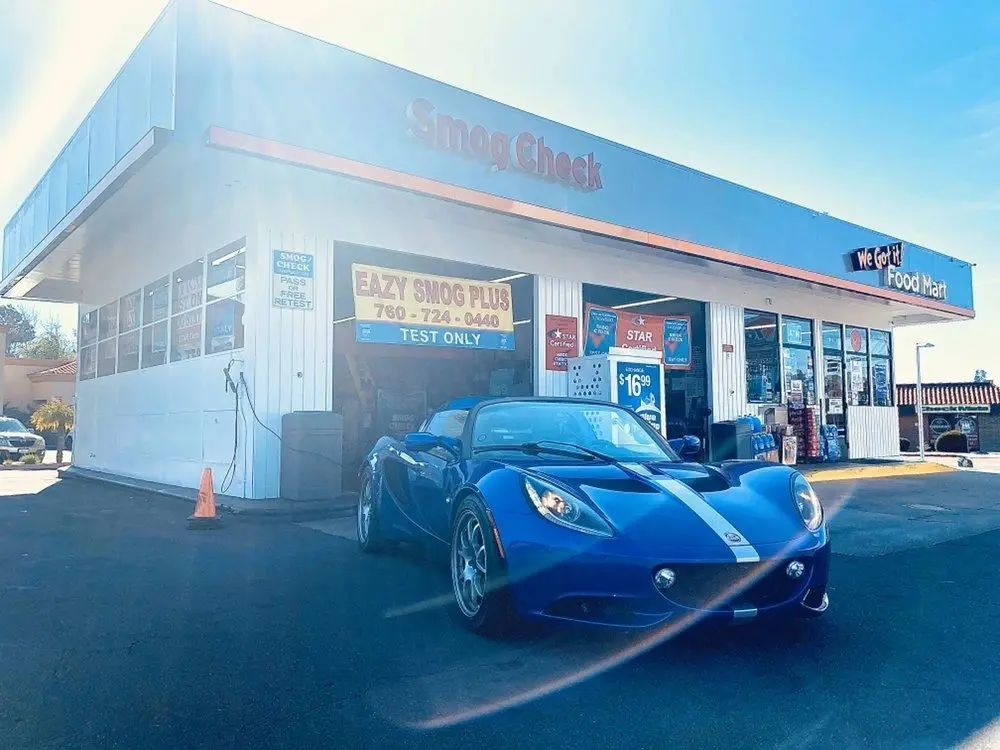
<point x="468" y="563"/>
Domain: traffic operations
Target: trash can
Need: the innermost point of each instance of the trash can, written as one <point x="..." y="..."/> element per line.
<point x="312" y="447"/>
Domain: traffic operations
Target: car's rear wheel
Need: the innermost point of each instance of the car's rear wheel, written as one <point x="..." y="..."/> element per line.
<point x="369" y="534"/>
<point x="478" y="574"/>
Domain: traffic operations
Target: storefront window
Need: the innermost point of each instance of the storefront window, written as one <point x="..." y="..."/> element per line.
<point x="797" y="356"/>
<point x="88" y="345"/>
<point x="833" y="372"/>
<point x="224" y="325"/>
<point x="225" y="280"/>
<point x="155" y="307"/>
<point x="760" y="331"/>
<point x="858" y="385"/>
<point x="129" y="309"/>
<point x="881" y="353"/>
<point x="107" y="336"/>
<point x="187" y="294"/>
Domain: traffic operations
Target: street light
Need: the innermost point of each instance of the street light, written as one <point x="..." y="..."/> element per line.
<point x="920" y="400"/>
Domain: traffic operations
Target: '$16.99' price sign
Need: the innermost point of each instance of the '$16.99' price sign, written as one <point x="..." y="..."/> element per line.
<point x="635" y="382"/>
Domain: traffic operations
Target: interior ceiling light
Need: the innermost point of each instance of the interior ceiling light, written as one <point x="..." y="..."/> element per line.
<point x="644" y="302"/>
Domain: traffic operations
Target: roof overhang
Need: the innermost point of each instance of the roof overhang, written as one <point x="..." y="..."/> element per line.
<point x="911" y="309"/>
<point x="30" y="278"/>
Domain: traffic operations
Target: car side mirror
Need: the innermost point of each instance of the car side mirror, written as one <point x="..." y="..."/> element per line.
<point x="687" y="447"/>
<point x="421" y="442"/>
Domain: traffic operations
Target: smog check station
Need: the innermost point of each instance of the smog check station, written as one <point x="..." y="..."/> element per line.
<point x="221" y="223"/>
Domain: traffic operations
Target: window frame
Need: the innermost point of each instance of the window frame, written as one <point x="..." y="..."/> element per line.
<point x="778" y="369"/>
<point x="810" y="350"/>
<point x="889" y="363"/>
<point x="236" y="297"/>
<point x="850" y="356"/>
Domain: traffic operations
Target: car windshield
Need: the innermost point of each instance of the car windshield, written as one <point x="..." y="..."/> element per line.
<point x="609" y="430"/>
<point x="8" y="424"/>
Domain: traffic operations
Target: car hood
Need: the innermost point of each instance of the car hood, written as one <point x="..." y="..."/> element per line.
<point x="680" y="504"/>
<point x="20" y="435"/>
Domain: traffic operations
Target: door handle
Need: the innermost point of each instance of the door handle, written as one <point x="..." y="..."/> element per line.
<point x="407" y="458"/>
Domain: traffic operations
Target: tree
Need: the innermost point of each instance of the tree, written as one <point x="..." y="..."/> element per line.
<point x="20" y="323"/>
<point x="981" y="376"/>
<point x="54" y="416"/>
<point x="51" y="343"/>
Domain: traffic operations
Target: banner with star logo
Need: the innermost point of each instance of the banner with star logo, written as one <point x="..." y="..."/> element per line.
<point x="560" y="341"/>
<point x="609" y="328"/>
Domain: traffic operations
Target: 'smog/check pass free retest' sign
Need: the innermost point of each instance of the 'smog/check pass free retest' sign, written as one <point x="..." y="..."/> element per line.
<point x="292" y="276"/>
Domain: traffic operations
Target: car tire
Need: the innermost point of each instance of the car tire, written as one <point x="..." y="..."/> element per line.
<point x="483" y="601"/>
<point x="370" y="538"/>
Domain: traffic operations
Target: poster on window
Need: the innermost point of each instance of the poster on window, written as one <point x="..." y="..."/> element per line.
<point x="128" y="311"/>
<point x="560" y="341"/>
<point x="292" y="280"/>
<point x="602" y="329"/>
<point x="187" y="288"/>
<point x="880" y="382"/>
<point x="677" y="342"/>
<point x="639" y="389"/>
<point x="609" y="328"/>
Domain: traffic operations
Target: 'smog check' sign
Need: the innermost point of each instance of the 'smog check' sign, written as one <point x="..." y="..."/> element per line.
<point x="292" y="280"/>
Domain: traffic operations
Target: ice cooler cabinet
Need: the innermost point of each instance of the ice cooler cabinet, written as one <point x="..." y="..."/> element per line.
<point x="632" y="378"/>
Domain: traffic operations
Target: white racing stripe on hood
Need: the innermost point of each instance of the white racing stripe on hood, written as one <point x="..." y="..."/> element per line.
<point x="737" y="543"/>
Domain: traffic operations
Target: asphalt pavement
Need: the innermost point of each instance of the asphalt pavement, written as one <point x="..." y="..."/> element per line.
<point x="121" y="628"/>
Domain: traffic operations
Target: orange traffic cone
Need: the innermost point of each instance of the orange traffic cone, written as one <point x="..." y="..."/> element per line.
<point x="205" y="515"/>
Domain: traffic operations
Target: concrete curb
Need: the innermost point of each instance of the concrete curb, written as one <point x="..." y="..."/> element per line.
<point x="234" y="507"/>
<point x="35" y="467"/>
<point x="877" y="471"/>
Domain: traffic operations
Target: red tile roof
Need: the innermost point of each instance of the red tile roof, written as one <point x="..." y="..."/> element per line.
<point x="950" y="394"/>
<point x="66" y="368"/>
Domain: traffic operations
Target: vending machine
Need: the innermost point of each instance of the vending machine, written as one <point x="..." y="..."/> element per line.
<point x="632" y="378"/>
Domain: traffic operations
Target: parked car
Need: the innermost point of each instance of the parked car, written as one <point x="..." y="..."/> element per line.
<point x="69" y="440"/>
<point x="17" y="441"/>
<point x="571" y="510"/>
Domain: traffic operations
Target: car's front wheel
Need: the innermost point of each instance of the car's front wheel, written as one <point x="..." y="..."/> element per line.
<point x="369" y="535"/>
<point x="478" y="576"/>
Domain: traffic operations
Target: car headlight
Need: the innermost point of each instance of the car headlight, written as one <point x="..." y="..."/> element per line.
<point x="557" y="506"/>
<point x="4" y="441"/>
<point x="806" y="501"/>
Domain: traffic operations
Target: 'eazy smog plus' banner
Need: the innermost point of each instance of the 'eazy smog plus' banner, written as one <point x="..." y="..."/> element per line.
<point x="404" y="307"/>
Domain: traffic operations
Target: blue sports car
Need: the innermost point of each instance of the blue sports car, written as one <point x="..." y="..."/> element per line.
<point x="577" y="510"/>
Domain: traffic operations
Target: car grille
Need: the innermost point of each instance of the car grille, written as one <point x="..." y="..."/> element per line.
<point x="698" y="586"/>
<point x="21" y="442"/>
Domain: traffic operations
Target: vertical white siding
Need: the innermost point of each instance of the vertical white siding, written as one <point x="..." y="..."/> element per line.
<point x="292" y="350"/>
<point x="872" y="431"/>
<point x="166" y="423"/>
<point x="554" y="296"/>
<point x="727" y="372"/>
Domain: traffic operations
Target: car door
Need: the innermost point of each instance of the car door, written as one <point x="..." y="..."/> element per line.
<point x="434" y="477"/>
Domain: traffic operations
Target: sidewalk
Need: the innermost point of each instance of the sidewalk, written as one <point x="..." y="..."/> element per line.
<point x="276" y="508"/>
<point x="872" y="469"/>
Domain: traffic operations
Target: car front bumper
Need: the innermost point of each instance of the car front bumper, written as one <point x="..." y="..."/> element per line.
<point x="16" y="453"/>
<point x="592" y="585"/>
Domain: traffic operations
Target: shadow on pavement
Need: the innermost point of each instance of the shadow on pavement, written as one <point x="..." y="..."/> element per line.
<point x="118" y="626"/>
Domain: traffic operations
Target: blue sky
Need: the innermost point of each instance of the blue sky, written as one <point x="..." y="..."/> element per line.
<point x="886" y="113"/>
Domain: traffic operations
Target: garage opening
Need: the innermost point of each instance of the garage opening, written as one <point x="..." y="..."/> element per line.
<point x="651" y="321"/>
<point x="413" y="332"/>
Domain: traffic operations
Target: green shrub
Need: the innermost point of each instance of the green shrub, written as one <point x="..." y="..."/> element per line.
<point x="952" y="441"/>
<point x="30" y="458"/>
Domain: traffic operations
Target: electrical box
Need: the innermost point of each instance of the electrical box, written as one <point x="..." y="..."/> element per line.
<point x="632" y="378"/>
<point x="312" y="448"/>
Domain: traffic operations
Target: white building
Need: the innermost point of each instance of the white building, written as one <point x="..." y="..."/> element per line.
<point x="226" y="144"/>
